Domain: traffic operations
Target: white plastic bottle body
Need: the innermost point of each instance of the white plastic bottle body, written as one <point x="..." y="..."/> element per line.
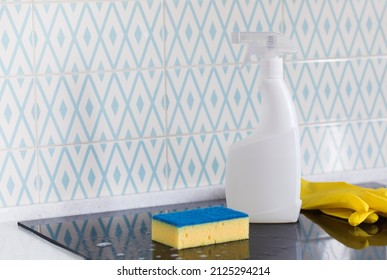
<point x="264" y="170"/>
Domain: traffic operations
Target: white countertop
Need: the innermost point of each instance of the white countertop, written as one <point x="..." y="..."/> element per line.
<point x="17" y="243"/>
<point x="20" y="244"/>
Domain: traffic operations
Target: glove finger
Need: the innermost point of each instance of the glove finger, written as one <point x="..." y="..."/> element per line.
<point x="333" y="199"/>
<point x="357" y="217"/>
<point x="342" y="213"/>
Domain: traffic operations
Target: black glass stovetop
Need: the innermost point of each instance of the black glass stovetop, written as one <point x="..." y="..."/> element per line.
<point x="127" y="235"/>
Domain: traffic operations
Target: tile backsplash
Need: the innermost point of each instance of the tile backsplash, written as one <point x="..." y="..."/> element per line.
<point x="106" y="98"/>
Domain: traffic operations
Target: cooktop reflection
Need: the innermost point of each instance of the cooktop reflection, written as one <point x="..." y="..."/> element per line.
<point x="127" y="235"/>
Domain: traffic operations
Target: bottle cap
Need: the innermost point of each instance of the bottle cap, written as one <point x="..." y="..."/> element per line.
<point x="264" y="44"/>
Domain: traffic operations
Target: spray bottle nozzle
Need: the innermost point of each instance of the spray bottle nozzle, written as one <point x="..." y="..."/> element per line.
<point x="264" y="44"/>
<point x="271" y="42"/>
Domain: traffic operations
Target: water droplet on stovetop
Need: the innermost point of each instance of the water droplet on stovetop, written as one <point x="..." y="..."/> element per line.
<point x="104" y="244"/>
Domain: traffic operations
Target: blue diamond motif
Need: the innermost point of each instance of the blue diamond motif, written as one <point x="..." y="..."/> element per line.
<point x="212" y="31"/>
<point x="191" y="167"/>
<point x="8" y="113"/>
<point x="348" y="25"/>
<point x="93" y="233"/>
<point x="305" y="92"/>
<point x="259" y="26"/>
<point x="67" y="238"/>
<point x="215" y="166"/>
<point x="327" y="26"/>
<point x="5" y="40"/>
<point x="214" y="98"/>
<point x="60" y="38"/>
<point x="91" y="177"/>
<point x="65" y="180"/>
<point x="369" y="24"/>
<point x="141" y="173"/>
<point x="115" y="105"/>
<point x="10" y="186"/>
<point x="117" y="175"/>
<point x="305" y="27"/>
<point x="190" y="100"/>
<point x="237" y="97"/>
<point x="369" y="87"/>
<point x="188" y="32"/>
<point x="140" y="104"/>
<point x="348" y="89"/>
<point x="63" y="110"/>
<point x="87" y="36"/>
<point x="89" y="107"/>
<point x="138" y="34"/>
<point x="119" y="230"/>
<point x="327" y="91"/>
<point x="113" y="35"/>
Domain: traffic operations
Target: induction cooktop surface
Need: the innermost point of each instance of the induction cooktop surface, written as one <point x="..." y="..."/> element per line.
<point x="127" y="235"/>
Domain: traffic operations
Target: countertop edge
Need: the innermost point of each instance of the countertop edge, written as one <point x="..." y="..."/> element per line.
<point x="193" y="194"/>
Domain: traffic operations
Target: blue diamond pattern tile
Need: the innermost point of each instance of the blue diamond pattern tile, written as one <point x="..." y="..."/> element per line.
<point x="88" y="35"/>
<point x="199" y="160"/>
<point x="17" y="114"/>
<point x="91" y="171"/>
<point x="198" y="32"/>
<point x="208" y="99"/>
<point x="346" y="147"/>
<point x="16" y="49"/>
<point x="336" y="28"/>
<point x="113" y="106"/>
<point x="338" y="91"/>
<point x="18" y="178"/>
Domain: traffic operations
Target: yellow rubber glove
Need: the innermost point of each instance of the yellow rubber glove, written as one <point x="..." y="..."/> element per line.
<point x="356" y="237"/>
<point x="343" y="200"/>
<point x="354" y="218"/>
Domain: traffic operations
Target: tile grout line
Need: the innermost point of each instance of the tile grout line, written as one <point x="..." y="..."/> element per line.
<point x="166" y="137"/>
<point x="34" y="79"/>
<point x="166" y="130"/>
<point x="195" y="66"/>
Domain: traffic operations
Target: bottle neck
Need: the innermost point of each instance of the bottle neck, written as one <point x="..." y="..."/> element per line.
<point x="271" y="68"/>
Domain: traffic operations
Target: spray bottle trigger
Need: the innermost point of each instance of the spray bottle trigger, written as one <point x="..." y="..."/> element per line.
<point x="249" y="53"/>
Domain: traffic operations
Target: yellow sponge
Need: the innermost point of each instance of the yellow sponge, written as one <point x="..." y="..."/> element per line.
<point x="199" y="227"/>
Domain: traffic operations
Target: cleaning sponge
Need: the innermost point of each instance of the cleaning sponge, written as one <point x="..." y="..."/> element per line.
<point x="199" y="227"/>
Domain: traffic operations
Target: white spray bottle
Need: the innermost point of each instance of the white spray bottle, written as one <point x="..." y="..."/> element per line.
<point x="263" y="172"/>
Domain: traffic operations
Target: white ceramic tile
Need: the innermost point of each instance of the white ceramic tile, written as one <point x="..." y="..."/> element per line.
<point x="199" y="32"/>
<point x="199" y="160"/>
<point x="338" y="91"/>
<point x="16" y="39"/>
<point x="66" y="113"/>
<point x="98" y="35"/>
<point x="211" y="99"/>
<point x="99" y="107"/>
<point x="346" y="147"/>
<point x="18" y="178"/>
<point x="131" y="105"/>
<point x="17" y="113"/>
<point x="323" y="29"/>
<point x="98" y="170"/>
